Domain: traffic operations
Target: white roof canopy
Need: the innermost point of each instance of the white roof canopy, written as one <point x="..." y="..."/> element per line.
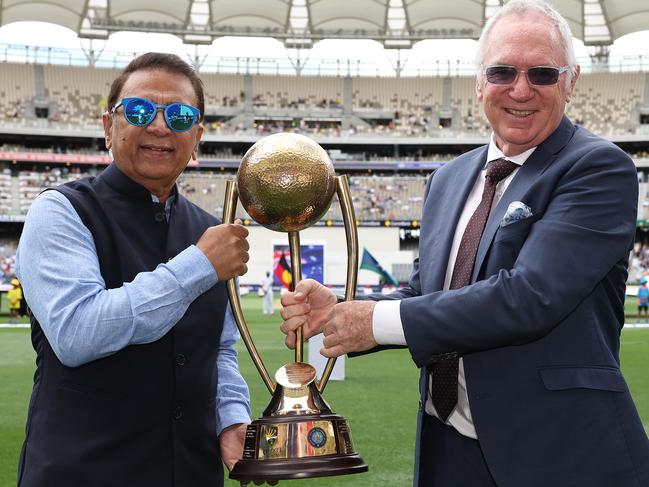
<point x="395" y="23"/>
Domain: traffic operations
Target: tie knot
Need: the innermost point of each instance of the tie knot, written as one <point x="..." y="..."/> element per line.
<point x="499" y="169"/>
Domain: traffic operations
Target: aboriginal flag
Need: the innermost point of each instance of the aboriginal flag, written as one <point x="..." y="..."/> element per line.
<point x="283" y="272"/>
<point x="369" y="263"/>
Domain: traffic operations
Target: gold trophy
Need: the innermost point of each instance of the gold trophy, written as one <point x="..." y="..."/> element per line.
<point x="286" y="183"/>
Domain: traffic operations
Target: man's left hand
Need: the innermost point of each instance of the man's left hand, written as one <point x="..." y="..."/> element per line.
<point x="350" y="329"/>
<point x="231" y="442"/>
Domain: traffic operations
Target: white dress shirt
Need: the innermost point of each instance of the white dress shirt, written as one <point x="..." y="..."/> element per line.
<point x="386" y="320"/>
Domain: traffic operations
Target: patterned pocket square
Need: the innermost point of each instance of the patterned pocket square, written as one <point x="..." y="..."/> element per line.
<point x="516" y="211"/>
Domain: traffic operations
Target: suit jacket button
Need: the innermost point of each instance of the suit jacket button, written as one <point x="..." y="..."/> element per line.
<point x="178" y="412"/>
<point x="181" y="360"/>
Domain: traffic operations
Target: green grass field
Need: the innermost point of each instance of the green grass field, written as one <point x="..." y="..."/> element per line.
<point x="378" y="397"/>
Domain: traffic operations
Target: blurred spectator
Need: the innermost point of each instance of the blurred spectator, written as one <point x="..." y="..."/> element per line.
<point x="14" y="297"/>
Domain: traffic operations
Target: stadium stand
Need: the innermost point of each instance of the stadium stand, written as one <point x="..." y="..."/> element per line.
<point x="428" y="120"/>
<point x="609" y="104"/>
<point x="305" y="93"/>
<point x="376" y="197"/>
<point x="469" y="110"/>
<point x="64" y="96"/>
<point x="7" y="196"/>
<point x="223" y="91"/>
<point x="78" y="94"/>
<point x="31" y="183"/>
<point x="17" y="89"/>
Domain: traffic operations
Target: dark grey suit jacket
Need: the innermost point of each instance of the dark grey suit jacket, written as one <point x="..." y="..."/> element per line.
<point x="539" y="328"/>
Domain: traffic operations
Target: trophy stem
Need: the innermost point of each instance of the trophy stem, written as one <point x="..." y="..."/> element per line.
<point x="296" y="271"/>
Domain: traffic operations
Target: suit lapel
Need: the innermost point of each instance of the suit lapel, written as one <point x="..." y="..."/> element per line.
<point x="449" y="208"/>
<point x="533" y="167"/>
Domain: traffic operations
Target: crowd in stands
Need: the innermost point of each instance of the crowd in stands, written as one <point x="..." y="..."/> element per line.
<point x="32" y="183"/>
<point x="6" y="193"/>
<point x="607" y="103"/>
<point x="384" y="197"/>
<point x="375" y="197"/>
<point x="57" y="147"/>
<point x="47" y="96"/>
<point x="217" y="152"/>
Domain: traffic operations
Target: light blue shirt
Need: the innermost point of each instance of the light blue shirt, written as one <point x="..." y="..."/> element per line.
<point x="58" y="268"/>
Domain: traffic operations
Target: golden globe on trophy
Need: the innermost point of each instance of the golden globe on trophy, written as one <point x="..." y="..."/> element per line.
<point x="286" y="183"/>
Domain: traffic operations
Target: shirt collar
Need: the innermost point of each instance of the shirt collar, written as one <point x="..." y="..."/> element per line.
<point x="168" y="203"/>
<point x="494" y="153"/>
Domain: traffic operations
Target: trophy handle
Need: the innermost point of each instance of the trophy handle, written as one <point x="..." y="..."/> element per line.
<point x="296" y="273"/>
<point x="229" y="209"/>
<point x="351" y="234"/>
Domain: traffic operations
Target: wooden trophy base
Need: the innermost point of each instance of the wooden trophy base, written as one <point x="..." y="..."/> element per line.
<point x="298" y="436"/>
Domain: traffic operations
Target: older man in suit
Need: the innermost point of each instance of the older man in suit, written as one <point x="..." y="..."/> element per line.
<point x="514" y="309"/>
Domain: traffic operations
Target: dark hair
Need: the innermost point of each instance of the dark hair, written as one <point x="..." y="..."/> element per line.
<point x="165" y="62"/>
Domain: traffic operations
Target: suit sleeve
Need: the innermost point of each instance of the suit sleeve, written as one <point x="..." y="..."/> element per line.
<point x="584" y="233"/>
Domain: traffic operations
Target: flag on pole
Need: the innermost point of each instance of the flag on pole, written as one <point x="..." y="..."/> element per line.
<point x="368" y="262"/>
<point x="283" y="272"/>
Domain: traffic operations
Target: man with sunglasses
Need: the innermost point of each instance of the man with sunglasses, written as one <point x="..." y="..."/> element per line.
<point x="514" y="310"/>
<point x="137" y="380"/>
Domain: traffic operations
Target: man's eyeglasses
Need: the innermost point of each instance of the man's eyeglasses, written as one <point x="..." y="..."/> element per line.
<point x="538" y="75"/>
<point x="140" y="112"/>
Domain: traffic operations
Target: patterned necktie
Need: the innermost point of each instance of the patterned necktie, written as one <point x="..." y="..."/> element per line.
<point x="444" y="371"/>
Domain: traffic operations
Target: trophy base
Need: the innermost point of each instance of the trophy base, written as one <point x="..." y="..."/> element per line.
<point x="251" y="470"/>
<point x="297" y="447"/>
<point x="298" y="436"/>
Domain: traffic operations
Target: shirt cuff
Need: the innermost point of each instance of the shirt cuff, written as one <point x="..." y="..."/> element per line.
<point x="386" y="323"/>
<point x="234" y="413"/>
<point x="194" y="272"/>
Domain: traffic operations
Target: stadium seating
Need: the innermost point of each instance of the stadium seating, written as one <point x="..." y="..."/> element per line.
<point x="17" y="88"/>
<point x="305" y="93"/>
<point x="607" y="103"/>
<point x="377" y="197"/>
<point x="79" y="93"/>
<point x="7" y="197"/>
<point x="445" y="108"/>
<point x="604" y="102"/>
<point x="31" y="183"/>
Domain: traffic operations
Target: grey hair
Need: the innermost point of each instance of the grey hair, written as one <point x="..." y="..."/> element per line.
<point x="538" y="6"/>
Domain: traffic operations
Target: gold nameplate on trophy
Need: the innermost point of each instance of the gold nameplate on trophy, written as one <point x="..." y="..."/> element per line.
<point x="286" y="183"/>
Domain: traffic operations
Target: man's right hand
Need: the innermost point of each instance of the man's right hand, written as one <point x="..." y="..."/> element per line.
<point x="310" y="306"/>
<point x="227" y="249"/>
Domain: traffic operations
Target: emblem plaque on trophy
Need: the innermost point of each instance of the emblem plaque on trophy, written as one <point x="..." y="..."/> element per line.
<point x="286" y="183"/>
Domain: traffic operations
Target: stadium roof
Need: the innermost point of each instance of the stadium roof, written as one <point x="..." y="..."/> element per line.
<point x="300" y="23"/>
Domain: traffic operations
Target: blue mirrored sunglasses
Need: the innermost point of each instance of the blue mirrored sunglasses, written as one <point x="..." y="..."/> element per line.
<point x="140" y="112"/>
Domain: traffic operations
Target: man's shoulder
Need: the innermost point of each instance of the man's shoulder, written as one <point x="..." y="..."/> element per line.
<point x="574" y="148"/>
<point x="76" y="189"/>
<point x="586" y="140"/>
<point x="49" y="202"/>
